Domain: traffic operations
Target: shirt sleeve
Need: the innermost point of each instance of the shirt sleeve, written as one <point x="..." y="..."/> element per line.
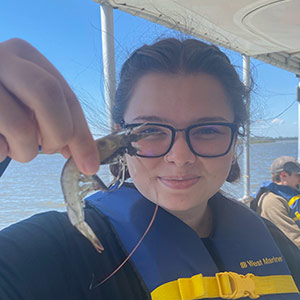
<point x="46" y="258"/>
<point x="288" y="249"/>
<point x="275" y="209"/>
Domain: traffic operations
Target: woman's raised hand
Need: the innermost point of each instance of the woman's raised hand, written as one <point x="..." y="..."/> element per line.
<point x="37" y="107"/>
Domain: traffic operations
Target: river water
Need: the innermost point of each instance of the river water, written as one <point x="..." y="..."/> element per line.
<point x="27" y="189"/>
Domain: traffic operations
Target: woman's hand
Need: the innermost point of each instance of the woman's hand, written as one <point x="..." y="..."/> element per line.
<point x="37" y="107"/>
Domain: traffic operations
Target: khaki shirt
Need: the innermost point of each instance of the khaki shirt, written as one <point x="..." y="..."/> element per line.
<point x="276" y="209"/>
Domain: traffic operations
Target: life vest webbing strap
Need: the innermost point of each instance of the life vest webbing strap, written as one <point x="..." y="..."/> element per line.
<point x="226" y="285"/>
<point x="293" y="200"/>
<point x="297" y="214"/>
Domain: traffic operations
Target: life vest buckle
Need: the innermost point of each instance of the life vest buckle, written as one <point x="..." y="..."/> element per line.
<point x="232" y="285"/>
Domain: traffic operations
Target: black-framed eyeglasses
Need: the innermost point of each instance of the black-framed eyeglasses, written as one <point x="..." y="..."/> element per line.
<point x="204" y="139"/>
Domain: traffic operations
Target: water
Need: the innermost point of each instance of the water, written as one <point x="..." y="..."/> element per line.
<point x="261" y="157"/>
<point x="27" y="189"/>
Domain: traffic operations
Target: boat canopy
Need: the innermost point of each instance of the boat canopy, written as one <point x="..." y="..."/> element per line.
<point x="268" y="30"/>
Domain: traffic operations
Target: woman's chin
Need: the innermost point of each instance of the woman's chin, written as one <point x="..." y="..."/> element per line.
<point x="175" y="203"/>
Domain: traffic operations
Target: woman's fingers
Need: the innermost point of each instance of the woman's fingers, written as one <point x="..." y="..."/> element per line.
<point x="41" y="93"/>
<point x="18" y="130"/>
<point x="82" y="146"/>
<point x="47" y="111"/>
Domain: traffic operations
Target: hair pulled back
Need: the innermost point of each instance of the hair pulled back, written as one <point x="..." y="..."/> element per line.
<point x="190" y="56"/>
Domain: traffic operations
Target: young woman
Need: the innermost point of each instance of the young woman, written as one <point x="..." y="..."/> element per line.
<point x="200" y="244"/>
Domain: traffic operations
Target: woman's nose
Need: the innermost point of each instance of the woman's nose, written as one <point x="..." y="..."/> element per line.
<point x="180" y="153"/>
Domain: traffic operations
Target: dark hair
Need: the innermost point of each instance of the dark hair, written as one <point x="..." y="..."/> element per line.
<point x="276" y="177"/>
<point x="190" y="56"/>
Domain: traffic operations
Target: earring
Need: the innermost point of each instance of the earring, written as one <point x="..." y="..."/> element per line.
<point x="235" y="171"/>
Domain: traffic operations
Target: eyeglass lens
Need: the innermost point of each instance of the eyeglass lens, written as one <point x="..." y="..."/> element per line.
<point x="204" y="140"/>
<point x="210" y="140"/>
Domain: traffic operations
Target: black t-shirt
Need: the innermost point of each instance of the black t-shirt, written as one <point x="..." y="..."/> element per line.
<point x="45" y="257"/>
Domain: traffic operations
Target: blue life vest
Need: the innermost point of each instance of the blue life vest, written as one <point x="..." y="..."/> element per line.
<point x="239" y="241"/>
<point x="291" y="195"/>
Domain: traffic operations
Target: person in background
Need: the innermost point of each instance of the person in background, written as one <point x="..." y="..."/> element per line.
<point x="278" y="201"/>
<point x="201" y="244"/>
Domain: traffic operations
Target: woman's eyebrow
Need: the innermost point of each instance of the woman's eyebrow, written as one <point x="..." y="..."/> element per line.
<point x="151" y="119"/>
<point x="212" y="119"/>
<point x="165" y="120"/>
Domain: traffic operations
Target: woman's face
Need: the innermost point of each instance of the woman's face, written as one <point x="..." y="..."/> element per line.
<point x="179" y="181"/>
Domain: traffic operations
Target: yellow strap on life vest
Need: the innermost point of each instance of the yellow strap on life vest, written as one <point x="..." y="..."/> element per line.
<point x="292" y="200"/>
<point x="226" y="285"/>
<point x="297" y="216"/>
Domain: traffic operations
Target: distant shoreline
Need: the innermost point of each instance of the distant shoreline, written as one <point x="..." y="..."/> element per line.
<point x="258" y="140"/>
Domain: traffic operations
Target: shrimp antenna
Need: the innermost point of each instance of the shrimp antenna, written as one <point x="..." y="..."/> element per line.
<point x="130" y="254"/>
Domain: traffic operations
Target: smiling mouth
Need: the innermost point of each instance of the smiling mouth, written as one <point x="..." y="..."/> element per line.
<point x="179" y="183"/>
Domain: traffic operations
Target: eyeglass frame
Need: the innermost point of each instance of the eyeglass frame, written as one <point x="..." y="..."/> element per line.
<point x="232" y="126"/>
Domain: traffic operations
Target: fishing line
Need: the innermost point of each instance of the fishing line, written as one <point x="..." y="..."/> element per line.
<point x="130" y="254"/>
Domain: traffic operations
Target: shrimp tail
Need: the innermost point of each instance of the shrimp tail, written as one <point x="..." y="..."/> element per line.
<point x="87" y="231"/>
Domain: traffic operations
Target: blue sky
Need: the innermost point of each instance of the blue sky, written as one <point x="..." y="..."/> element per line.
<point x="67" y="32"/>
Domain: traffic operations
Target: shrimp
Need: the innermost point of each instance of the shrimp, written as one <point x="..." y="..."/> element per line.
<point x="75" y="185"/>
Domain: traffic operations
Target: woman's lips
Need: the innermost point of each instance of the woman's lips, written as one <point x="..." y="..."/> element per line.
<point x="179" y="182"/>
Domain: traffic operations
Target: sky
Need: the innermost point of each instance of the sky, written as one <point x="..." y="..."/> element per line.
<point x="68" y="33"/>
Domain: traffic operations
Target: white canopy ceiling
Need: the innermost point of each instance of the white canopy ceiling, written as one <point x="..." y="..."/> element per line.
<point x="268" y="30"/>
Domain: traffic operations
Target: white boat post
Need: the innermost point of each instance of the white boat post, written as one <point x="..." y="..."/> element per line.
<point x="246" y="79"/>
<point x="108" y="56"/>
